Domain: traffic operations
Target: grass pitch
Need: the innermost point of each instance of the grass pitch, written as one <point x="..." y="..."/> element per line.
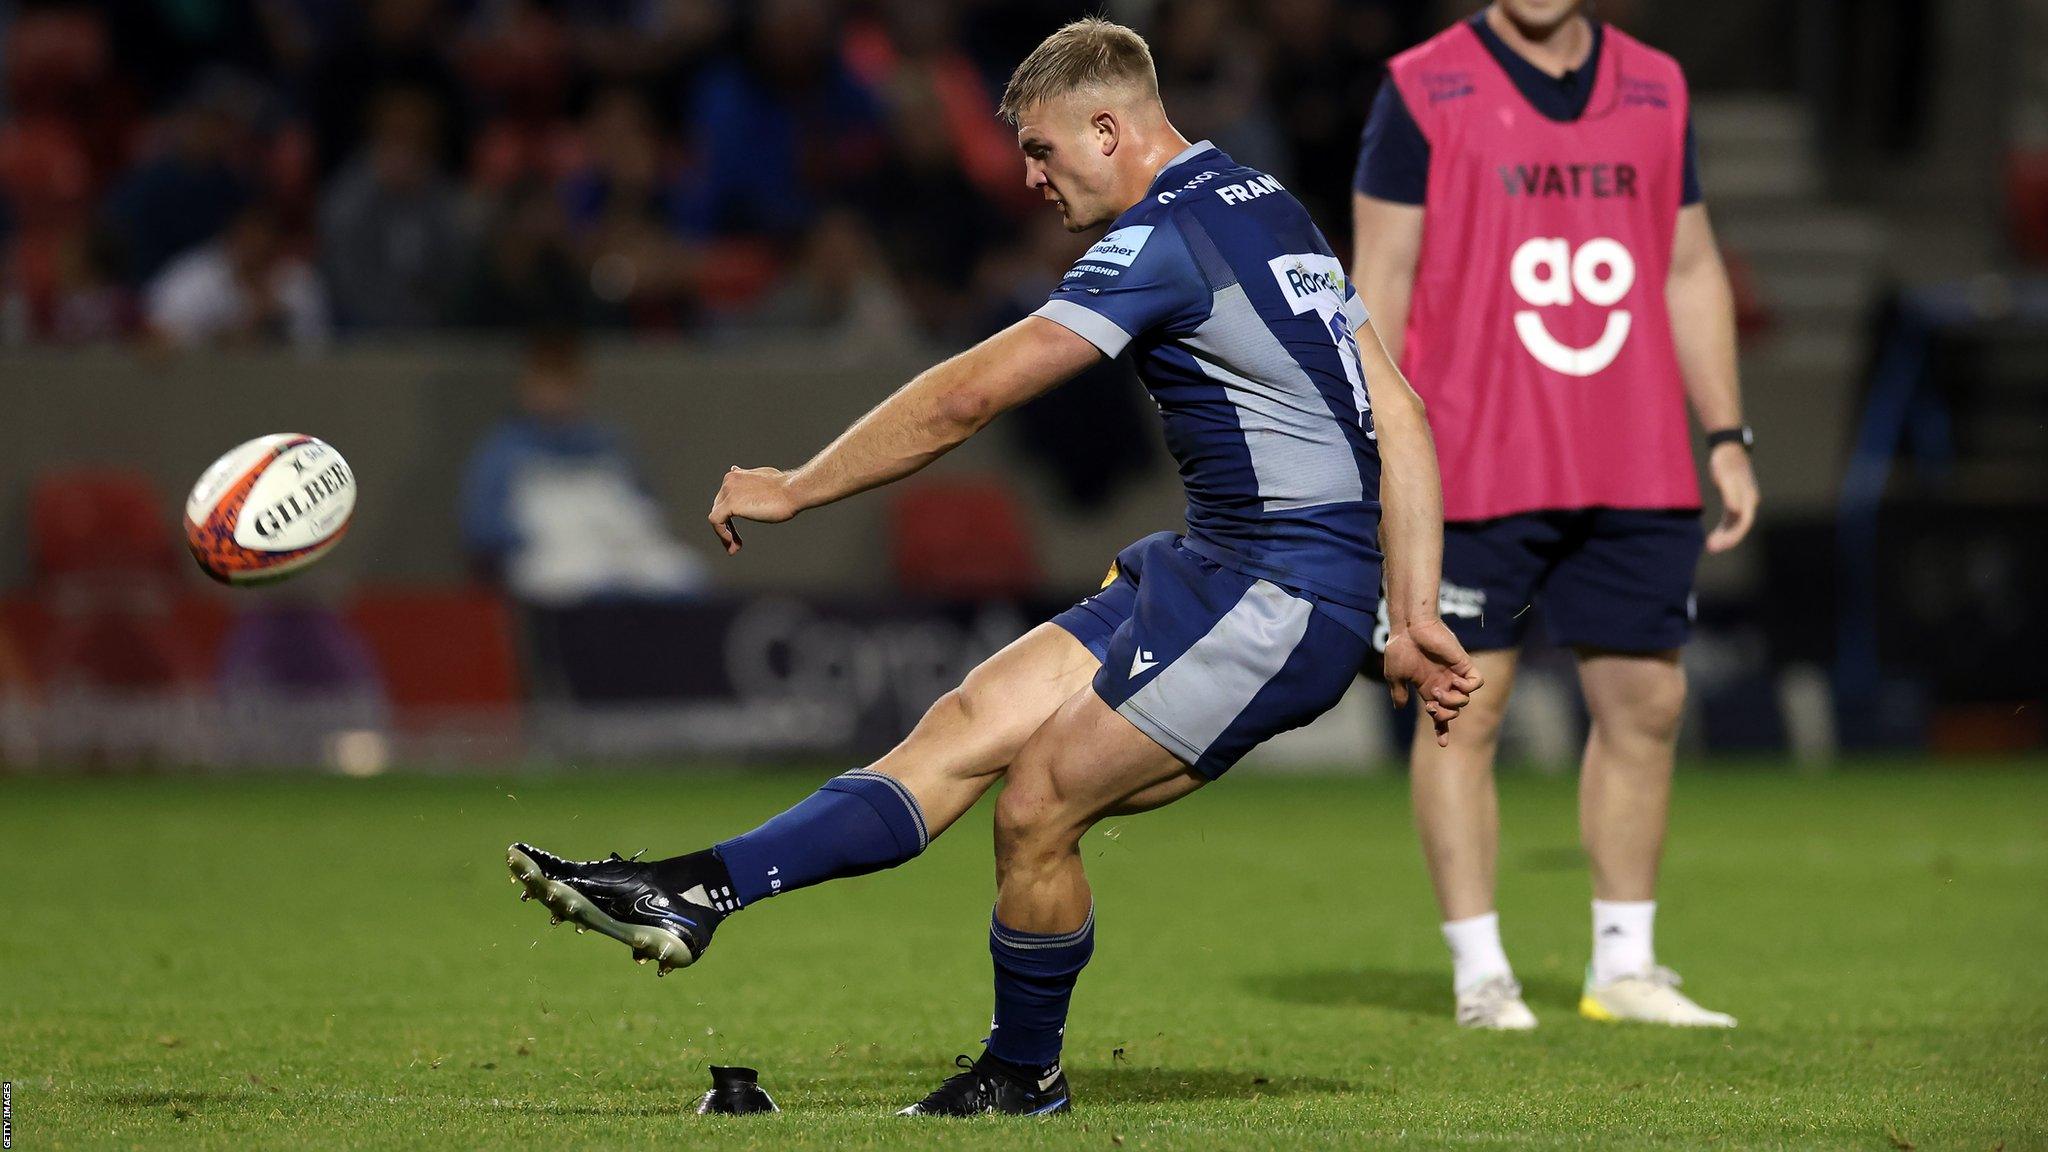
<point x="317" y="962"/>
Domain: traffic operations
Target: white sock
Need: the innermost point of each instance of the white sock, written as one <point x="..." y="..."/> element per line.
<point x="1476" y="954"/>
<point x="1622" y="939"/>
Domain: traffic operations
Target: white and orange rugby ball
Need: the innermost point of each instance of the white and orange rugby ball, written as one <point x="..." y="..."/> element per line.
<point x="269" y="508"/>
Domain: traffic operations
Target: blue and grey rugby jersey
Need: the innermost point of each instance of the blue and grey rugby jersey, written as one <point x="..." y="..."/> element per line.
<point x="1239" y="321"/>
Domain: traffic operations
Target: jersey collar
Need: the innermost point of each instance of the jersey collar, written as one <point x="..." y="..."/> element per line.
<point x="1186" y="154"/>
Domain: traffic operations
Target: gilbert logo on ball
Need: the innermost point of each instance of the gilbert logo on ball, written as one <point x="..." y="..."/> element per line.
<point x="269" y="508"/>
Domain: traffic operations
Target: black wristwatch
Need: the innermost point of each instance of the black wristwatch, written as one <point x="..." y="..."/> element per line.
<point x="1741" y="434"/>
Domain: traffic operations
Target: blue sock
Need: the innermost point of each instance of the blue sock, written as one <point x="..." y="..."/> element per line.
<point x="1034" y="981"/>
<point x="857" y="823"/>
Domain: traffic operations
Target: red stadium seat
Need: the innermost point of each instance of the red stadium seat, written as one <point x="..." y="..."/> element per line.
<point x="2026" y="196"/>
<point x="962" y="539"/>
<point x="442" y="651"/>
<point x="25" y="621"/>
<point x="100" y="521"/>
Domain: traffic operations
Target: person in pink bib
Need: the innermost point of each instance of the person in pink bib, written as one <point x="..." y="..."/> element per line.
<point x="1533" y="246"/>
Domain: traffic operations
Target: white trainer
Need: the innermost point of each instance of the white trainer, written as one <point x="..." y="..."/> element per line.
<point x="1495" y="1005"/>
<point x="1652" y="998"/>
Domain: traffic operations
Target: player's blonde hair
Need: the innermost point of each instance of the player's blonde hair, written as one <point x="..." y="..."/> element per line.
<point x="1090" y="53"/>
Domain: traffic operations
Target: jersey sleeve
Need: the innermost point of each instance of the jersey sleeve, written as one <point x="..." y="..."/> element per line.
<point x="1393" y="154"/>
<point x="1692" y="193"/>
<point x="1136" y="279"/>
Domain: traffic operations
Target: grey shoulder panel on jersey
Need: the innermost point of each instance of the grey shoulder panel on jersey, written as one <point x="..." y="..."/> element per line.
<point x="1091" y="326"/>
<point x="1215" y="269"/>
<point x="1298" y="449"/>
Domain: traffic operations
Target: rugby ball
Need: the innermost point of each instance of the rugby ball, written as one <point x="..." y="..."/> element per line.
<point x="269" y="508"/>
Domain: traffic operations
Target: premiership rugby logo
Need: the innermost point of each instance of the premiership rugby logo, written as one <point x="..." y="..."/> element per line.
<point x="1121" y="246"/>
<point x="1545" y="272"/>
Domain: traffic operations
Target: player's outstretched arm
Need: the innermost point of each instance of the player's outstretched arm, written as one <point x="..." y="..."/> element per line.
<point x="1421" y="651"/>
<point x="1703" y="329"/>
<point x="922" y="421"/>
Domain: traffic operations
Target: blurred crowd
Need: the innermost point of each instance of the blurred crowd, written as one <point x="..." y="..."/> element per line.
<point x="206" y="172"/>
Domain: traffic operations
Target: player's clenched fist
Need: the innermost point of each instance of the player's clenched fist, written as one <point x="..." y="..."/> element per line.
<point x="759" y="494"/>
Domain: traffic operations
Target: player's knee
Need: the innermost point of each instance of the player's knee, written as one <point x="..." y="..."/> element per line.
<point x="953" y="711"/>
<point x="1651" y="705"/>
<point x="966" y="724"/>
<point x="1481" y="719"/>
<point x="1030" y="818"/>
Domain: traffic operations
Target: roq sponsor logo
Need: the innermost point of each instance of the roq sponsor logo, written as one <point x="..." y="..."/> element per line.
<point x="1545" y="272"/>
<point x="1314" y="282"/>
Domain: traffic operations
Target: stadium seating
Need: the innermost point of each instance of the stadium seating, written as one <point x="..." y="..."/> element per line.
<point x="962" y="539"/>
<point x="99" y="521"/>
<point x="450" y="668"/>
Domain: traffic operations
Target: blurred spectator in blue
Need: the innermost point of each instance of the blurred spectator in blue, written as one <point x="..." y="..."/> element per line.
<point x="527" y="275"/>
<point x="629" y="171"/>
<point x="244" y="288"/>
<point x="782" y="126"/>
<point x="643" y="40"/>
<point x="391" y="234"/>
<point x="552" y="505"/>
<point x="626" y="207"/>
<point x="184" y="196"/>
<point x="388" y="44"/>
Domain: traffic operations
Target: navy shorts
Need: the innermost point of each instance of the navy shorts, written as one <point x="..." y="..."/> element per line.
<point x="1207" y="661"/>
<point x="1616" y="579"/>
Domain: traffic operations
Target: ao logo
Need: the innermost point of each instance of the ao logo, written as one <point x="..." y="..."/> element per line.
<point x="1545" y="270"/>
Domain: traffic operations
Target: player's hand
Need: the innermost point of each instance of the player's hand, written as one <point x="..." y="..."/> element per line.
<point x="1428" y="658"/>
<point x="758" y="494"/>
<point x="1733" y="475"/>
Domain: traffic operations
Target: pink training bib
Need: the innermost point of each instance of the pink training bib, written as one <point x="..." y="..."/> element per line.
<point x="1538" y="332"/>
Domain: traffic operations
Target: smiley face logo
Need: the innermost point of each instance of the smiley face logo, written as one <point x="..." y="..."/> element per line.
<point x="1545" y="271"/>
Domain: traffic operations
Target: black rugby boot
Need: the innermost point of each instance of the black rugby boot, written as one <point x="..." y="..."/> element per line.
<point x="627" y="901"/>
<point x="989" y="1086"/>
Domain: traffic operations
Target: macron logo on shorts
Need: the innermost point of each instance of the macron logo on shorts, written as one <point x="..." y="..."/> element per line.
<point x="1141" y="662"/>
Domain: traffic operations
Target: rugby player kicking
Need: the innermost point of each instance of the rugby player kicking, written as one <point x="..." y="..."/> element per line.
<point x="1532" y="237"/>
<point x="1301" y="448"/>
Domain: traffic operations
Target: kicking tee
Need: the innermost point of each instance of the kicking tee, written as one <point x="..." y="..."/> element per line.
<point x="1239" y="319"/>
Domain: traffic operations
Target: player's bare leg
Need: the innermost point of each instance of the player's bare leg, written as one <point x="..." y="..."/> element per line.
<point x="868" y="819"/>
<point x="1457" y="814"/>
<point x="1086" y="763"/>
<point x="972" y="733"/>
<point x="1636" y="703"/>
<point x="1457" y="817"/>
